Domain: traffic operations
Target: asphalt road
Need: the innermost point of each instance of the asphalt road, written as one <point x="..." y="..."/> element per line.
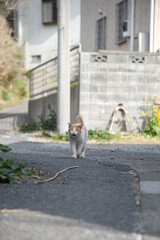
<point x="113" y="194"/>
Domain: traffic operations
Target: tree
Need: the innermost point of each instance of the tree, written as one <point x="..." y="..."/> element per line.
<point x="7" y="6"/>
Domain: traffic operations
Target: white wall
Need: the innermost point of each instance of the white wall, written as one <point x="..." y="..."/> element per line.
<point x="38" y="39"/>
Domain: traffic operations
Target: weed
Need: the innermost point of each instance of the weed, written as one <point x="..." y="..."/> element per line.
<point x="28" y="127"/>
<point x="10" y="60"/>
<point x="13" y="94"/>
<point x="27" y="74"/>
<point x="151" y="117"/>
<point x="61" y="136"/>
<point x="10" y="171"/>
<point x="99" y="134"/>
<point x="19" y="88"/>
<point x="5" y="95"/>
<point x="4" y="148"/>
<point x="12" y="91"/>
<point x="49" y="124"/>
<point x="73" y="84"/>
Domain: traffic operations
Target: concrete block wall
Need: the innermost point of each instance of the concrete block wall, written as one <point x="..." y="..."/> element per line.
<point x="108" y="78"/>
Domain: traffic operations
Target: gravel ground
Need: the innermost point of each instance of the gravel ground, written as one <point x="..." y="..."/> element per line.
<point x="98" y="200"/>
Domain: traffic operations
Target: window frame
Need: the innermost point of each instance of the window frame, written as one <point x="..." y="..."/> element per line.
<point x="123" y="39"/>
<point x="36" y="58"/>
<point x="104" y="19"/>
<point x="53" y="12"/>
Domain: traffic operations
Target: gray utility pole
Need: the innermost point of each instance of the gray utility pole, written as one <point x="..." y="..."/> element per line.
<point x="63" y="107"/>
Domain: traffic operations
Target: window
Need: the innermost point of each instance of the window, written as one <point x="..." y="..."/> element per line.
<point x="49" y="11"/>
<point x="36" y="58"/>
<point x="101" y="34"/>
<point x="121" y="15"/>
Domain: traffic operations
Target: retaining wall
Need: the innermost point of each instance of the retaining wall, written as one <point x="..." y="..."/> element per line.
<point x="39" y="106"/>
<point x="108" y="78"/>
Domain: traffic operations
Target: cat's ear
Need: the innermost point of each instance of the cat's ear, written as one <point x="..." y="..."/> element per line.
<point x="80" y="126"/>
<point x="69" y="124"/>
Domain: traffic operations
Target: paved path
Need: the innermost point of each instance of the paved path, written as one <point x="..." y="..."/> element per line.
<point x="109" y="196"/>
<point x="11" y="118"/>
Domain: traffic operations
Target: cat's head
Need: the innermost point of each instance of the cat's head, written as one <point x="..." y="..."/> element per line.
<point x="74" y="129"/>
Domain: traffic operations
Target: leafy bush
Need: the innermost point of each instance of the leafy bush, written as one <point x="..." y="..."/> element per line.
<point x="5" y="95"/>
<point x="99" y="134"/>
<point x="27" y="74"/>
<point x="44" y="125"/>
<point x="50" y="123"/>
<point x="28" y="127"/>
<point x="10" y="171"/>
<point x="20" y="88"/>
<point x="4" y="148"/>
<point x="13" y="94"/>
<point x="151" y="118"/>
<point x="61" y="136"/>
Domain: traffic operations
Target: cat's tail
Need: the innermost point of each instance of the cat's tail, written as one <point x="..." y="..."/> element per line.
<point x="80" y="119"/>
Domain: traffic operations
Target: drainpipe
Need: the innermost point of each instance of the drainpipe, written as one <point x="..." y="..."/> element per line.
<point x="132" y="25"/>
<point x="151" y="45"/>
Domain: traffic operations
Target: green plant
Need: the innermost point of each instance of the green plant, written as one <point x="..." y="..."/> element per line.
<point x="10" y="171"/>
<point x="73" y="84"/>
<point x="4" y="148"/>
<point x="13" y="94"/>
<point x="5" y="95"/>
<point x="152" y="127"/>
<point x="99" y="134"/>
<point x="49" y="124"/>
<point x="19" y="88"/>
<point x="28" y="127"/>
<point x="61" y="136"/>
<point x="27" y="74"/>
<point x="10" y="60"/>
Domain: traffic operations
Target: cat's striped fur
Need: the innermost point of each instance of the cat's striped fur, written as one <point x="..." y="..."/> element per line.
<point x="78" y="134"/>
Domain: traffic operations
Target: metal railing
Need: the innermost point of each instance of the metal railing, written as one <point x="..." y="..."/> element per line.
<point x="43" y="78"/>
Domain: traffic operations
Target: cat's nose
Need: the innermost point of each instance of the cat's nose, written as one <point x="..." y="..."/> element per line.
<point x="74" y="134"/>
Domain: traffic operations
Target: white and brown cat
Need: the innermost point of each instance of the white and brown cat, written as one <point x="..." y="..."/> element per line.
<point x="78" y="138"/>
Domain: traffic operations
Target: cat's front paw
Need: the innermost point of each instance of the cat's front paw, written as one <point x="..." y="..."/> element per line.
<point x="74" y="156"/>
<point x="82" y="155"/>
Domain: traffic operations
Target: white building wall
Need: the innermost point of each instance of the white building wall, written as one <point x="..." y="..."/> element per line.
<point x="38" y="39"/>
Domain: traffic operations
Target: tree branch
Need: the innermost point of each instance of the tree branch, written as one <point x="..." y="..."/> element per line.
<point x="57" y="174"/>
